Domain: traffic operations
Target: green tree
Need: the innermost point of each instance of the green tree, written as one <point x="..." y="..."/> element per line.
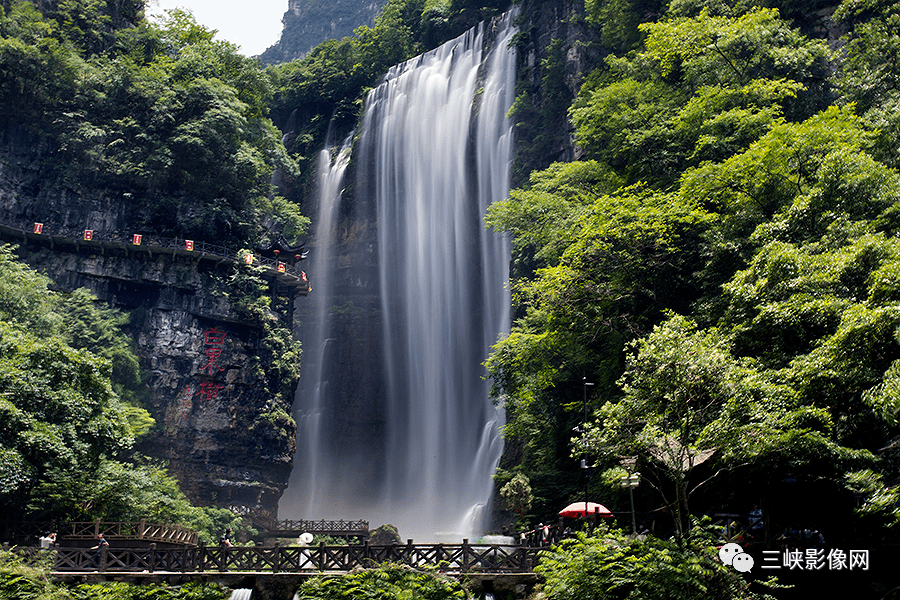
<point x="59" y="413"/>
<point x="516" y="495"/>
<point x="703" y="88"/>
<point x="612" y="566"/>
<point x="688" y="401"/>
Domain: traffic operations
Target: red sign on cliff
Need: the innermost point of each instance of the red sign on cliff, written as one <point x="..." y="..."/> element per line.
<point x="136" y="239"/>
<point x="38" y="227"/>
<point x="88" y="235"/>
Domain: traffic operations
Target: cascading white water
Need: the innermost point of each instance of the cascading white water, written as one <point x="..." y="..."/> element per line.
<point x="313" y="396"/>
<point x="434" y="151"/>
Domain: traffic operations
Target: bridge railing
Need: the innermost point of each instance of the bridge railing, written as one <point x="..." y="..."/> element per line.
<point x="140" y="530"/>
<point x="448" y="558"/>
<point x="322" y="526"/>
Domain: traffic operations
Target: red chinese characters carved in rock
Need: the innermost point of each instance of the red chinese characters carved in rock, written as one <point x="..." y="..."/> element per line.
<point x="210" y="390"/>
<point x="214" y="340"/>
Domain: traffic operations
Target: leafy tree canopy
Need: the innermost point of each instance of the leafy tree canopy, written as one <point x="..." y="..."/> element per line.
<point x="733" y="301"/>
<point x="166" y="117"/>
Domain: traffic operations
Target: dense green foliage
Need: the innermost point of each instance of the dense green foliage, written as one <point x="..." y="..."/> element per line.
<point x="167" y="118"/>
<point x="722" y="267"/>
<point x="613" y="566"/>
<point x="388" y="582"/>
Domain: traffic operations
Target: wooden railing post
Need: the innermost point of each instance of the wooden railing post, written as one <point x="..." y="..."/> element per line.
<point x="321" y="556"/>
<point x="276" y="560"/>
<point x="409" y="552"/>
<point x="151" y="566"/>
<point x="96" y="527"/>
<point x="103" y="551"/>
<point x="524" y="564"/>
<point x="200" y="557"/>
<point x="465" y="555"/>
<point x="140" y="531"/>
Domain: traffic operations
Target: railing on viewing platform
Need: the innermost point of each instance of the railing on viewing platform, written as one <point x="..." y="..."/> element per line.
<point x="324" y="527"/>
<point x="448" y="558"/>
<point x="292" y="527"/>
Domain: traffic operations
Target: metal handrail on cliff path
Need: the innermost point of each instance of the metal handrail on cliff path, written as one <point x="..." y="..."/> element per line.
<point x="140" y="242"/>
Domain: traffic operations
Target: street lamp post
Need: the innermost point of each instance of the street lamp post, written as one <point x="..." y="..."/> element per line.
<point x="631" y="482"/>
<point x="584" y="466"/>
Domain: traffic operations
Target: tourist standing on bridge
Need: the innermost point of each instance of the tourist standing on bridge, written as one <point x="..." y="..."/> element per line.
<point x="226" y="539"/>
<point x="101" y="544"/>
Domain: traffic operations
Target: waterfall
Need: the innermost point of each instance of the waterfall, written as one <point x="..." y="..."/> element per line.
<point x="434" y="151"/>
<point x="313" y="396"/>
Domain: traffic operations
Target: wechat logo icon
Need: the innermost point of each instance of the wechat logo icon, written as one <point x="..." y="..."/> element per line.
<point x="732" y="554"/>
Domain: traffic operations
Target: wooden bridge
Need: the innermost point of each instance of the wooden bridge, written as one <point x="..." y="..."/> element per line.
<point x="290" y="528"/>
<point x="452" y="559"/>
<point x="271" y="527"/>
<point x="85" y="533"/>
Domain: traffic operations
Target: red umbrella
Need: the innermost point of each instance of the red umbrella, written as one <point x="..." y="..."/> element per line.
<point x="579" y="509"/>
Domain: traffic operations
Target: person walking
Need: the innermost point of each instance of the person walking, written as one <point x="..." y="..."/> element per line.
<point x="102" y="544"/>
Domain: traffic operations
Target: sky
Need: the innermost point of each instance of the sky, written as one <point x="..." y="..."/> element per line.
<point x="254" y="25"/>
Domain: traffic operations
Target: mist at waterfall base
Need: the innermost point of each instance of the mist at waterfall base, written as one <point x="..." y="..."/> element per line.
<point x="433" y="151"/>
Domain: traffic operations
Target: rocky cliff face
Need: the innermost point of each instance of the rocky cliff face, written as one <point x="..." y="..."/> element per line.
<point x="308" y="23"/>
<point x="220" y="430"/>
<point x="553" y="62"/>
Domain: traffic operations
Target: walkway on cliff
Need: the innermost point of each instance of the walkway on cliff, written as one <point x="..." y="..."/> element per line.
<point x="286" y="271"/>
